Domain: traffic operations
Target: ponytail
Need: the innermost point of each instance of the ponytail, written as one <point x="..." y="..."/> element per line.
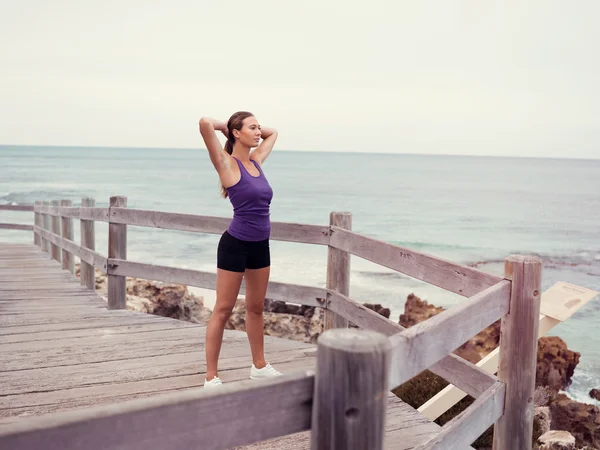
<point x="235" y="122"/>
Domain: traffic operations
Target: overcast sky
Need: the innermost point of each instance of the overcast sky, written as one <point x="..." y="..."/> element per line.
<point x="445" y="77"/>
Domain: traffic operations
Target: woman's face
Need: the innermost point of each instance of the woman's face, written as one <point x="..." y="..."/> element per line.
<point x="250" y="133"/>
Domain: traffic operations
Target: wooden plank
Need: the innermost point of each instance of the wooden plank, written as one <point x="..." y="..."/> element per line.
<point x="284" y="408"/>
<point x="453" y="277"/>
<point x="98" y="332"/>
<point x="37" y="221"/>
<point x="306" y="295"/>
<point x="424" y="344"/>
<point x="456" y="370"/>
<point x="466" y="427"/>
<point x="68" y="262"/>
<point x="338" y="271"/>
<point x="58" y="210"/>
<point x="117" y="249"/>
<point x="87" y="275"/>
<point x="78" y="325"/>
<point x="15" y="226"/>
<point x="93" y="213"/>
<point x="518" y="352"/>
<point x="280" y="231"/>
<point x="234" y="355"/>
<point x="55" y="229"/>
<point x="16" y="207"/>
<point x="405" y="429"/>
<point x="89" y="256"/>
<point x="451" y="395"/>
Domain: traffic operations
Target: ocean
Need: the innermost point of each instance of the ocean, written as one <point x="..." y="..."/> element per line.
<point x="472" y="210"/>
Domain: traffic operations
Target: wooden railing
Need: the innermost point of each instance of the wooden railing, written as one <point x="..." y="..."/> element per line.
<point x="373" y="363"/>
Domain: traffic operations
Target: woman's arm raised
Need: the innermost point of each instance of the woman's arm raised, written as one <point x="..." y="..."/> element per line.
<point x="262" y="152"/>
<point x="218" y="156"/>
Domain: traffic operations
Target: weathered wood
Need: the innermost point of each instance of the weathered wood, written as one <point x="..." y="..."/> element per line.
<point x="452" y="368"/>
<point x="117" y="249"/>
<point x="280" y="231"/>
<point x="46" y="227"/>
<point x="16" y="207"/>
<point x="349" y="406"/>
<point x="453" y="277"/>
<point x="518" y="352"/>
<point x="571" y="296"/>
<point x="426" y="343"/>
<point x="16" y="226"/>
<point x="463" y="429"/>
<point x="338" y="270"/>
<point x="37" y="221"/>
<point x="93" y="213"/>
<point x="87" y="275"/>
<point x="306" y="295"/>
<point x="60" y="210"/>
<point x="133" y="425"/>
<point x="68" y="262"/>
<point x="55" y="229"/>
<point x="93" y="258"/>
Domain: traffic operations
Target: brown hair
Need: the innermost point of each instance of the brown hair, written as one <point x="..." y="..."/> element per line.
<point x="235" y="122"/>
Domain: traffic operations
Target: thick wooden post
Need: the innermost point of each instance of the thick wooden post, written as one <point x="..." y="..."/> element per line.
<point x="338" y="270"/>
<point x="87" y="274"/>
<point x="117" y="248"/>
<point x="55" y="229"/>
<point x="68" y="261"/>
<point x="46" y="227"/>
<point x="350" y="396"/>
<point x="37" y="221"/>
<point x="518" y="353"/>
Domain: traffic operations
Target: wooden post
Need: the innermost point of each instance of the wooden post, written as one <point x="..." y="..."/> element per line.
<point x="46" y="227"/>
<point x="518" y="353"/>
<point x="87" y="273"/>
<point x="117" y="248"/>
<point x="68" y="261"/>
<point x="55" y="229"/>
<point x="338" y="270"/>
<point x="37" y="221"/>
<point x="350" y="396"/>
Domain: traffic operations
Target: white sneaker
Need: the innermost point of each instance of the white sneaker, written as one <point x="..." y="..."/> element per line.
<point x="265" y="372"/>
<point x="215" y="382"/>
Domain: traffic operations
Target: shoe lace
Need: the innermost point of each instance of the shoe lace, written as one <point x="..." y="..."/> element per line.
<point x="272" y="370"/>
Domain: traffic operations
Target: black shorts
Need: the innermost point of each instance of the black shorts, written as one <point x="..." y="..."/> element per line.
<point x="236" y="255"/>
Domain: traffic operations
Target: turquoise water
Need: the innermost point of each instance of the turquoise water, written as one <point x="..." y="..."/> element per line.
<point x="473" y="210"/>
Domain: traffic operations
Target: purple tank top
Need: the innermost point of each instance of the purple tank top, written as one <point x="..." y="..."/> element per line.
<point x="251" y="199"/>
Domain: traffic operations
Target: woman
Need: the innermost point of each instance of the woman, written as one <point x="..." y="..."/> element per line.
<point x="243" y="250"/>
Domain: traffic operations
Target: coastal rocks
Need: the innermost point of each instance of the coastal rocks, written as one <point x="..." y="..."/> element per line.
<point x="595" y="394"/>
<point x="555" y="363"/>
<point x="557" y="440"/>
<point x="161" y="299"/>
<point x="581" y="419"/>
<point x="304" y="325"/>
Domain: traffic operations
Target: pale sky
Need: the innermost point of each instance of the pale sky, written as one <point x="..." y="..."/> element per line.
<point x="471" y="77"/>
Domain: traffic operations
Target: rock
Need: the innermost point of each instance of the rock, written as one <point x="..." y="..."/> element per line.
<point x="557" y="440"/>
<point x="416" y="311"/>
<point x="161" y="299"/>
<point x="541" y="420"/>
<point x="385" y="312"/>
<point x="284" y="325"/>
<point x="277" y="306"/>
<point x="595" y="394"/>
<point x="555" y="363"/>
<point x="582" y="420"/>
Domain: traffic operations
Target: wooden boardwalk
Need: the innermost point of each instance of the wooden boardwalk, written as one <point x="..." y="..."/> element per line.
<point x="63" y="350"/>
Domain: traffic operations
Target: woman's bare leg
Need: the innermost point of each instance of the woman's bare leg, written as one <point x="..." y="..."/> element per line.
<point x="228" y="288"/>
<point x="256" y="289"/>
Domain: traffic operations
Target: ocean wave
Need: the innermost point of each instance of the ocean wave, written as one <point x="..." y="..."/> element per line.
<point x="575" y="259"/>
<point x="29" y="197"/>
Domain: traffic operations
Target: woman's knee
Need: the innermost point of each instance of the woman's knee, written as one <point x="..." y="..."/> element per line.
<point x="255" y="307"/>
<point x="222" y="313"/>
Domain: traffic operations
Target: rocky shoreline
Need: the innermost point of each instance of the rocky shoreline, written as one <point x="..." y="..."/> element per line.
<point x="560" y="422"/>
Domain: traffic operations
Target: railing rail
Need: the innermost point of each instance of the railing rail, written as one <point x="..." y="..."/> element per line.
<point x="428" y="345"/>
